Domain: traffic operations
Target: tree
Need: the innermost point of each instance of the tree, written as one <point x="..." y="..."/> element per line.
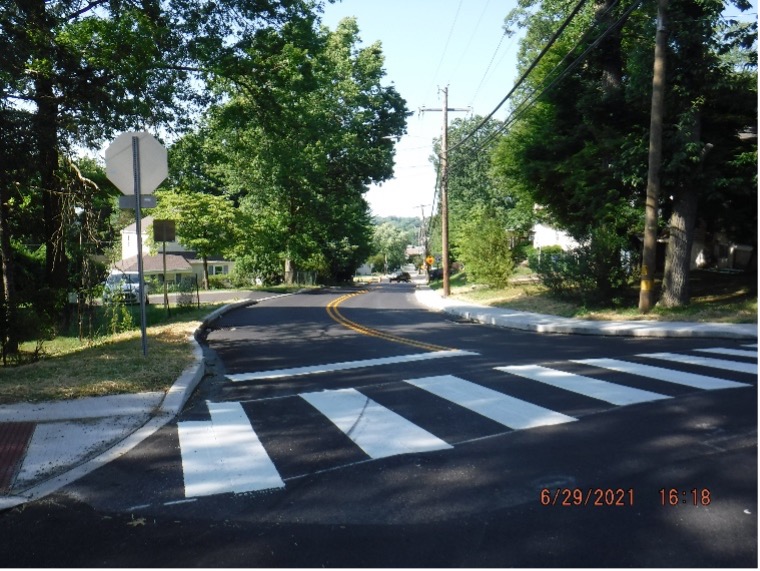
<point x="711" y="103"/>
<point x="15" y="145"/>
<point x="87" y="69"/>
<point x="577" y="141"/>
<point x="301" y="145"/>
<point x="487" y="216"/>
<point x="488" y="250"/>
<point x="204" y="223"/>
<point x="390" y="245"/>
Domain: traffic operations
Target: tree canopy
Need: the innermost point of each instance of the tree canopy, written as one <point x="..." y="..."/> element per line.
<point x="576" y="139"/>
<point x="300" y="156"/>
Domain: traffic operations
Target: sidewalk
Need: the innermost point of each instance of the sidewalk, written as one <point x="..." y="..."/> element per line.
<point x="564" y="325"/>
<point x="45" y="446"/>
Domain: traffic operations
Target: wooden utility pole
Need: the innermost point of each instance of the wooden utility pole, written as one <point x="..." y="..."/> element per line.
<point x="649" y="257"/>
<point x="445" y="195"/>
<point x="423" y="240"/>
<point x="444" y="188"/>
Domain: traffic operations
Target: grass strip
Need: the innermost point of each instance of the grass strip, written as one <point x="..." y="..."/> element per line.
<point x="110" y="365"/>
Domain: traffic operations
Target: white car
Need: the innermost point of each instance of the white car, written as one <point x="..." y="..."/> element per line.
<point x="124" y="287"/>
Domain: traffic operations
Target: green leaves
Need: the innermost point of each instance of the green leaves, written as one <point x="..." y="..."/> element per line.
<point x="206" y="224"/>
<point x="303" y="130"/>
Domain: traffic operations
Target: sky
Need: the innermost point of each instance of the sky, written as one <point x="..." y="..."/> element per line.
<point x="428" y="45"/>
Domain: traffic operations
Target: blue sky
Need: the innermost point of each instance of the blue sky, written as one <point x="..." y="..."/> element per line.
<point x="429" y="44"/>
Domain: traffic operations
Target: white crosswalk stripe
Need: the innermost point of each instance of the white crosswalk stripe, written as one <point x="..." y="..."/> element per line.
<point x="224" y="455"/>
<point x="726" y="352"/>
<point x="662" y="374"/>
<point x="594" y="388"/>
<point x="377" y="430"/>
<point x="346" y="366"/>
<point x="506" y="410"/>
<point x="705" y="362"/>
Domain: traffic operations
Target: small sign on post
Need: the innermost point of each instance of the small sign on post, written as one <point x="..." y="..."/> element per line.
<point x="146" y="201"/>
<point x="164" y="231"/>
<point x="137" y="163"/>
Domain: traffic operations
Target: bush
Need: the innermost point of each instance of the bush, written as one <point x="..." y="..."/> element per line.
<point x="219" y="282"/>
<point x="486" y="249"/>
<point x="553" y="267"/>
<point x="595" y="273"/>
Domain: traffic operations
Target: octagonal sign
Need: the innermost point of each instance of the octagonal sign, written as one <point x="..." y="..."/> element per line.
<point x="154" y="166"/>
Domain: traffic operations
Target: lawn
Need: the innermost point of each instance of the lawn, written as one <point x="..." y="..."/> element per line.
<point x="106" y="365"/>
<point x="68" y="367"/>
<point x="716" y="297"/>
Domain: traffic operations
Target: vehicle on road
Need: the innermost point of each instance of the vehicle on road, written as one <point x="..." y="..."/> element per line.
<point x="401" y="277"/>
<point x="435" y="274"/>
<point x="124" y="287"/>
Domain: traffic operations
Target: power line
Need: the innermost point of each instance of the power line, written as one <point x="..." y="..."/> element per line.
<point x="531" y="98"/>
<point x="446" y="45"/>
<point x="527" y="72"/>
<point x="474" y="32"/>
<point x="488" y="67"/>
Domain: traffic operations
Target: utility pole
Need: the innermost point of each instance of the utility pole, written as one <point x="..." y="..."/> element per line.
<point x="649" y="256"/>
<point x="423" y="239"/>
<point x="444" y="187"/>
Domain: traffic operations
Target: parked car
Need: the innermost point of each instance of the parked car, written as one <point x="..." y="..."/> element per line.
<point x="435" y="274"/>
<point x="124" y="287"/>
<point x="401" y="277"/>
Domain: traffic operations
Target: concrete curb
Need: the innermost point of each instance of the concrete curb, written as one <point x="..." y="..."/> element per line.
<point x="562" y="325"/>
<point x="170" y="406"/>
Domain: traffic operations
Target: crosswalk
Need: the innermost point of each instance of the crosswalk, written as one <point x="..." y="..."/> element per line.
<point x="226" y="455"/>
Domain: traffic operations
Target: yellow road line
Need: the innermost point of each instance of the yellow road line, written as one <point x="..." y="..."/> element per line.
<point x="332" y="311"/>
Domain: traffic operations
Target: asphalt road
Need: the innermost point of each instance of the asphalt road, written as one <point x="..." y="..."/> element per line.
<point x="361" y="430"/>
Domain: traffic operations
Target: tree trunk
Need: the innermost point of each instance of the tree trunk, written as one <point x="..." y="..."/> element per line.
<point x="46" y="133"/>
<point x="205" y="273"/>
<point x="609" y="52"/>
<point x="289" y="272"/>
<point x="10" y="338"/>
<point x="683" y="221"/>
<point x="675" y="283"/>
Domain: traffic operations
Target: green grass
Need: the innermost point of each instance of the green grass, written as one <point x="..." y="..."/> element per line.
<point x="717" y="298"/>
<point x="113" y="364"/>
<point x="108" y="364"/>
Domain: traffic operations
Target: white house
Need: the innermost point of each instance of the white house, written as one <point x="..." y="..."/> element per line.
<point x="129" y="240"/>
<point x="180" y="261"/>
<point x="544" y="236"/>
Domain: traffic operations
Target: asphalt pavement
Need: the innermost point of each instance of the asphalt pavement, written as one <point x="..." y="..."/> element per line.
<point x="45" y="446"/>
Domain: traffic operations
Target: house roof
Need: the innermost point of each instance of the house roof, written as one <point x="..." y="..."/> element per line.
<point x="144" y="224"/>
<point x="155" y="264"/>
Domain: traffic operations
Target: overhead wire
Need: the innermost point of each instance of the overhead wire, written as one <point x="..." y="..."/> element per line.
<point x="488" y="68"/>
<point x="446" y="45"/>
<point x="527" y="72"/>
<point x="532" y="97"/>
<point x="472" y="36"/>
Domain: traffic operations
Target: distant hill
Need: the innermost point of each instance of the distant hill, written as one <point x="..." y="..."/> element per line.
<point x="410" y="226"/>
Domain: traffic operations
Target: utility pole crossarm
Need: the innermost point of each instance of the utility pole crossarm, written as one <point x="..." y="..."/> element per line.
<point x="465" y="109"/>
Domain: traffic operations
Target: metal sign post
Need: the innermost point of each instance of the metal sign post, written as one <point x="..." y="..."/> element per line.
<point x="138" y="223"/>
<point x="164" y="231"/>
<point x="135" y="172"/>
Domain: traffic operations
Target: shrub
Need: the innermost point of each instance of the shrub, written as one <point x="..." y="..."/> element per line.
<point x="486" y="249"/>
<point x="594" y="273"/>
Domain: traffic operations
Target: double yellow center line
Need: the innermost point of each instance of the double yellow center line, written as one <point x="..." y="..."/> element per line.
<point x="332" y="311"/>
